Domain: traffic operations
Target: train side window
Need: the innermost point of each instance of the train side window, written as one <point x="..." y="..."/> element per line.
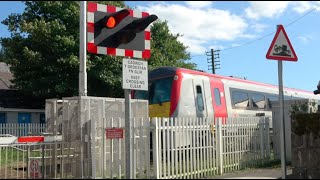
<point x="240" y="99"/>
<point x="287" y="97"/>
<point x="217" y="97"/>
<point x="200" y="103"/>
<point x="271" y="100"/>
<point x="258" y="101"/>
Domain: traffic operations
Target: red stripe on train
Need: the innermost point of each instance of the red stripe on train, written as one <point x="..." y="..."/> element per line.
<point x="175" y="92"/>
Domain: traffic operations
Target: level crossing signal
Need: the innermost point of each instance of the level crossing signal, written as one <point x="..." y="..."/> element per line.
<point x="116" y="31"/>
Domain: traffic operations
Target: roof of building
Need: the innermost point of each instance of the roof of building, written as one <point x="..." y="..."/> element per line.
<point x="5" y="76"/>
<point x="12" y="98"/>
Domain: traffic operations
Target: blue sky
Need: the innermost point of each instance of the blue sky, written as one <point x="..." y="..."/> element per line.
<point x="223" y="25"/>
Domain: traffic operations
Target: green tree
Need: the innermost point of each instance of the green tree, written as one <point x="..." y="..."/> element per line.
<point x="43" y="52"/>
<point x="166" y="49"/>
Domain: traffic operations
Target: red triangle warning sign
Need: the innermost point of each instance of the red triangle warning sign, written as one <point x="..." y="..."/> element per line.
<point x="281" y="48"/>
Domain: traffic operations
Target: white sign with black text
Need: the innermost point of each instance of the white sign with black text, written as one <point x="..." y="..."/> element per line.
<point x="134" y="74"/>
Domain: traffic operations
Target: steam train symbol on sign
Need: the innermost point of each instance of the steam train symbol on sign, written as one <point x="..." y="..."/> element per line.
<point x="282" y="50"/>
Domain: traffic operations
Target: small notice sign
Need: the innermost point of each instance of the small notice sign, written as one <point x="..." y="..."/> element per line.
<point x="114" y="133"/>
<point x="134" y="74"/>
<point x="34" y="169"/>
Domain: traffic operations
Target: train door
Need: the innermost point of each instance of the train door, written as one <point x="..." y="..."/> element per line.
<point x="218" y="98"/>
<point x="199" y="94"/>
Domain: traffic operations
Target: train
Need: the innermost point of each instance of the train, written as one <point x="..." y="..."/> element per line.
<point x="180" y="92"/>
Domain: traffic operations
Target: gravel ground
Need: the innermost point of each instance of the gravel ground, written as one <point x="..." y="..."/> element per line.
<point x="259" y="173"/>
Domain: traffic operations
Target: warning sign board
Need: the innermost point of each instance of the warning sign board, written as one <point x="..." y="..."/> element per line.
<point x="281" y="48"/>
<point x="34" y="169"/>
<point x="134" y="74"/>
<point x="114" y="133"/>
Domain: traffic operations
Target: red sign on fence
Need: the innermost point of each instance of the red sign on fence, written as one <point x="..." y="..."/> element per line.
<point x="114" y="133"/>
<point x="34" y="169"/>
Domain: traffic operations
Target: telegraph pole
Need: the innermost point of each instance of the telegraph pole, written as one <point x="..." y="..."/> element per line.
<point x="213" y="55"/>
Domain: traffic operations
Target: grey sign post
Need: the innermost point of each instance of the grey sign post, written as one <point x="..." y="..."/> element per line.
<point x="134" y="77"/>
<point x="282" y="123"/>
<point x="82" y="67"/>
<point x="281" y="49"/>
<point x="83" y="50"/>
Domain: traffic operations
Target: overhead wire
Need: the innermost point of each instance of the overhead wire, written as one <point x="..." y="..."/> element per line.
<point x="269" y="34"/>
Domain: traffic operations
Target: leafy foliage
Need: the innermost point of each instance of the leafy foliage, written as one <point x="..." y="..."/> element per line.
<point x="299" y="107"/>
<point x="43" y="51"/>
<point x="303" y="120"/>
<point x="166" y="49"/>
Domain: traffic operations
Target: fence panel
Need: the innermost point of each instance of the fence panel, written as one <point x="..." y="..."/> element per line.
<point x="184" y="147"/>
<point x="196" y="147"/>
<point x="15" y="129"/>
<point x="34" y="161"/>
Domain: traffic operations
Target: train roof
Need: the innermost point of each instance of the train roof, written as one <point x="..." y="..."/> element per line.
<point x="167" y="71"/>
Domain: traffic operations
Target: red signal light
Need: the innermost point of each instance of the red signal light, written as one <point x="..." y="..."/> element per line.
<point x="111" y="22"/>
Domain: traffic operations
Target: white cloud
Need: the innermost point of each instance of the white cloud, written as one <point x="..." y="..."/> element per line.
<point x="318" y="5"/>
<point x="259" y="27"/>
<point x="247" y="36"/>
<point x="271" y="9"/>
<point x="235" y="45"/>
<point x="216" y="47"/>
<point x="305" y="38"/>
<point x="260" y="9"/>
<point x="199" y="4"/>
<point x="304" y="6"/>
<point x="199" y="26"/>
<point x="194" y="45"/>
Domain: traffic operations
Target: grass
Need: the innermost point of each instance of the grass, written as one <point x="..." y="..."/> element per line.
<point x="10" y="155"/>
<point x="271" y="163"/>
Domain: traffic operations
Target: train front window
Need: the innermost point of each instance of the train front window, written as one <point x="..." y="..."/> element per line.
<point x="160" y="90"/>
<point x="141" y="95"/>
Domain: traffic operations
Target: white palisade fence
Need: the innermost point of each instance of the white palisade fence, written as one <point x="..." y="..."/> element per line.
<point x="23" y="129"/>
<point x="198" y="147"/>
<point x="180" y="147"/>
